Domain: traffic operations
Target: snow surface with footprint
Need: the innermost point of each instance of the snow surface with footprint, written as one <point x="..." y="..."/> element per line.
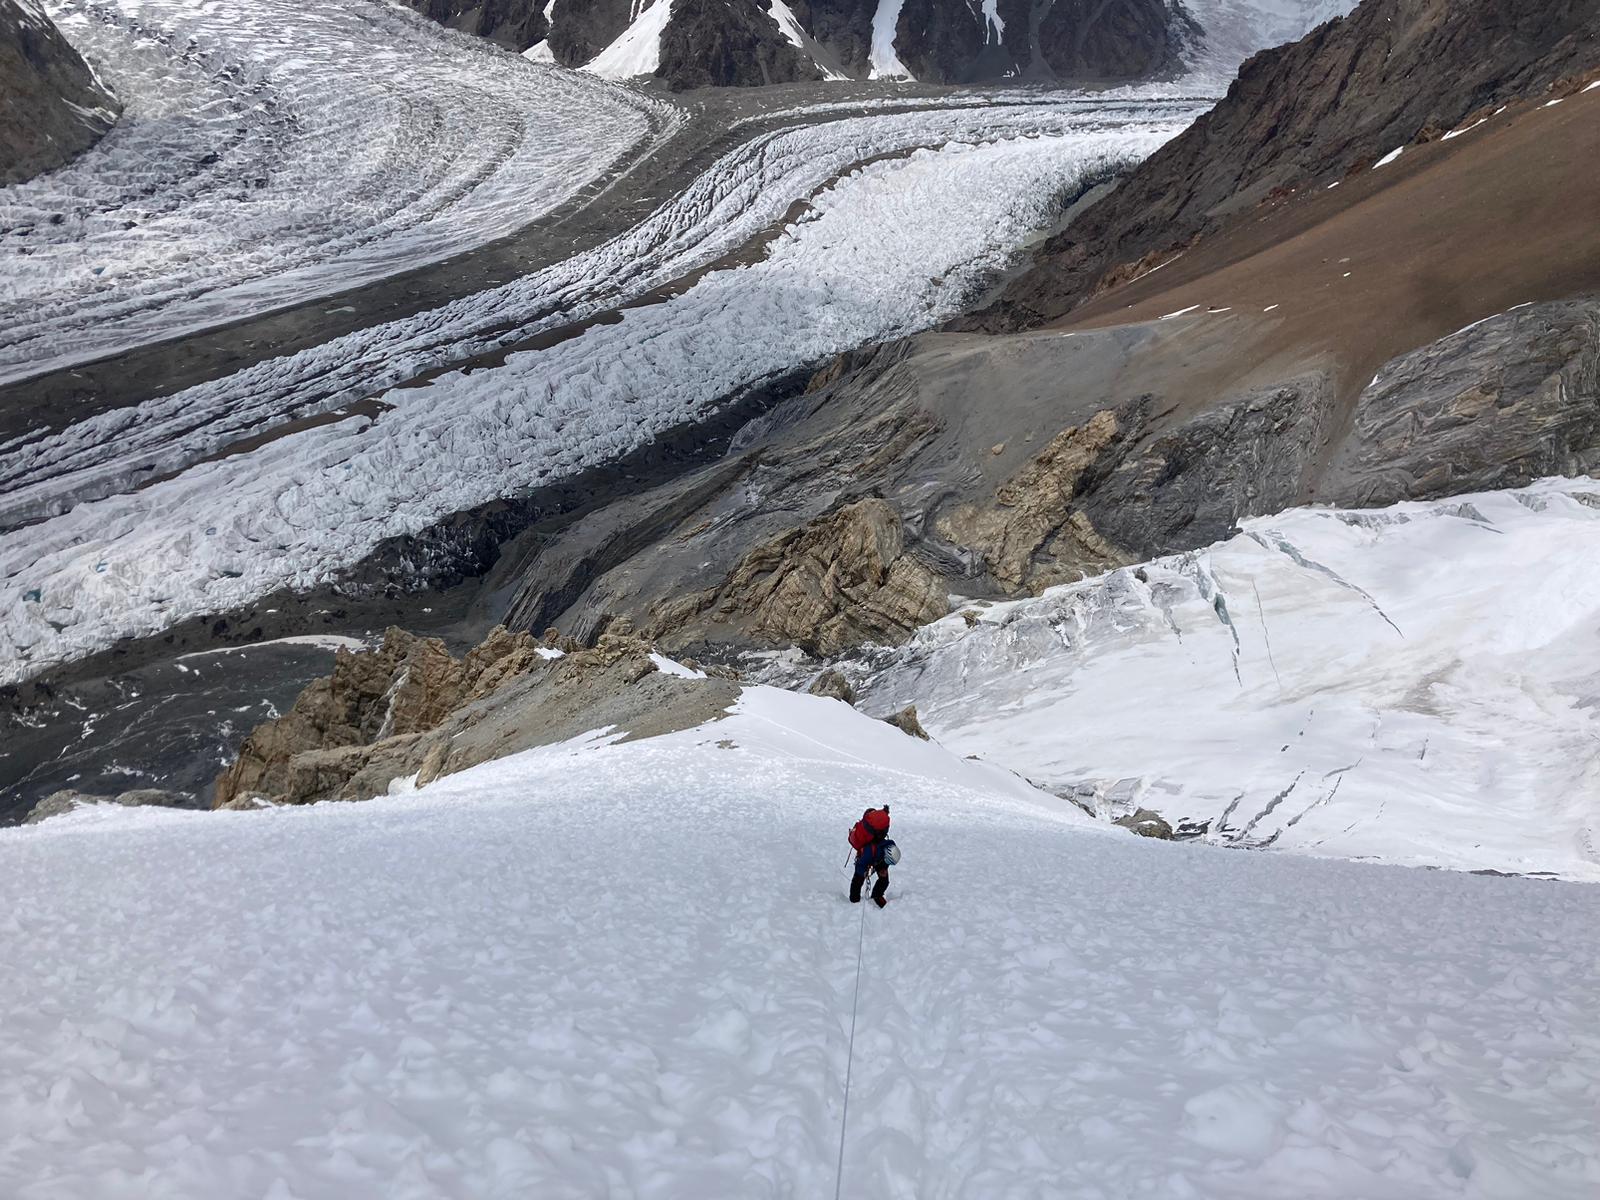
<point x="1418" y="684"/>
<point x="255" y="164"/>
<point x="628" y="971"/>
<point x="893" y="247"/>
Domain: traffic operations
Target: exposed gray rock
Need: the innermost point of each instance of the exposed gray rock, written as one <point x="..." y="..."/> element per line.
<point x="52" y="107"/>
<point x="58" y="803"/>
<point x="728" y="43"/>
<point x="580" y="29"/>
<point x="1106" y="456"/>
<point x="737" y="43"/>
<point x="1500" y="404"/>
<point x="1089" y="39"/>
<point x="514" y="24"/>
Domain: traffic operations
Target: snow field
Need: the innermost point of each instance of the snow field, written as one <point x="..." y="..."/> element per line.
<point x="627" y="970"/>
<point x="893" y="247"/>
<point x="1417" y="684"/>
<point x="271" y="152"/>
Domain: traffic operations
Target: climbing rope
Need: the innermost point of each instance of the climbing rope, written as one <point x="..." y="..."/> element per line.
<point x="850" y="1055"/>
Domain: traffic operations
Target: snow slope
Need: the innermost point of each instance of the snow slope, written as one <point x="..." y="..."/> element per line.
<point x="637" y="51"/>
<point x="889" y="249"/>
<point x="273" y="151"/>
<point x="628" y="971"/>
<point x="1419" y="684"/>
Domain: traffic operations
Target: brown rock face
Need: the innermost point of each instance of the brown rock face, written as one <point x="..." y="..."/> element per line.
<point x="52" y="107"/>
<point x="1146" y="823"/>
<point x="406" y="688"/>
<point x="1304" y="114"/>
<point x="907" y="722"/>
<point x="410" y="709"/>
<point x="835" y="582"/>
<point x="1034" y="536"/>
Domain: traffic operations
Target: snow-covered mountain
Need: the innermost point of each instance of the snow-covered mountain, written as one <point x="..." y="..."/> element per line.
<point x="699" y="43"/>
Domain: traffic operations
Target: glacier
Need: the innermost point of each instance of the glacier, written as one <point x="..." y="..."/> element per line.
<point x="254" y="167"/>
<point x="295" y="510"/>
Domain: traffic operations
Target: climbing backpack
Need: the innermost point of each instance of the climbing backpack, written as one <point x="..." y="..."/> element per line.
<point x="874" y="824"/>
<point x="860" y="836"/>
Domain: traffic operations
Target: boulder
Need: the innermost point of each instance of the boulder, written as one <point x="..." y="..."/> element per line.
<point x="1146" y="823"/>
<point x="834" y="686"/>
<point x="906" y="721"/>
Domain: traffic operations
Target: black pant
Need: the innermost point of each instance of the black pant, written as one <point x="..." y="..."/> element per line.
<point x="878" y="889"/>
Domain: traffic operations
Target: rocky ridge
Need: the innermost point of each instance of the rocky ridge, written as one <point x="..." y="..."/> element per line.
<point x="1303" y="116"/>
<point x="742" y="43"/>
<point x="411" y="710"/>
<point x="62" y="802"/>
<point x="52" y="106"/>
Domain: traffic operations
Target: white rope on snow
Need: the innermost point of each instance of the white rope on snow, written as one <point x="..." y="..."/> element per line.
<point x="850" y="1055"/>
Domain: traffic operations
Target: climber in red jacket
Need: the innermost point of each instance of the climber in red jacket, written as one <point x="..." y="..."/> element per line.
<point x="869" y="838"/>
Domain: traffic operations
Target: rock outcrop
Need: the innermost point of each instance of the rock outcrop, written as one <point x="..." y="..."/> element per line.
<point x="1146" y="823"/>
<point x="728" y="43"/>
<point x="739" y="43"/>
<point x="1087" y="39"/>
<point x="1034" y="534"/>
<point x="58" y="803"/>
<point x="1302" y="116"/>
<point x="514" y="24"/>
<point x="833" y="685"/>
<point x="52" y="107"/>
<point x="907" y="722"/>
<point x="581" y="29"/>
<point x="1500" y="404"/>
<point x="835" y="582"/>
<point x="410" y="710"/>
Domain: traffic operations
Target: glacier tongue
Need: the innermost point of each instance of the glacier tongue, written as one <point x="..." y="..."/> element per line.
<point x="1417" y="684"/>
